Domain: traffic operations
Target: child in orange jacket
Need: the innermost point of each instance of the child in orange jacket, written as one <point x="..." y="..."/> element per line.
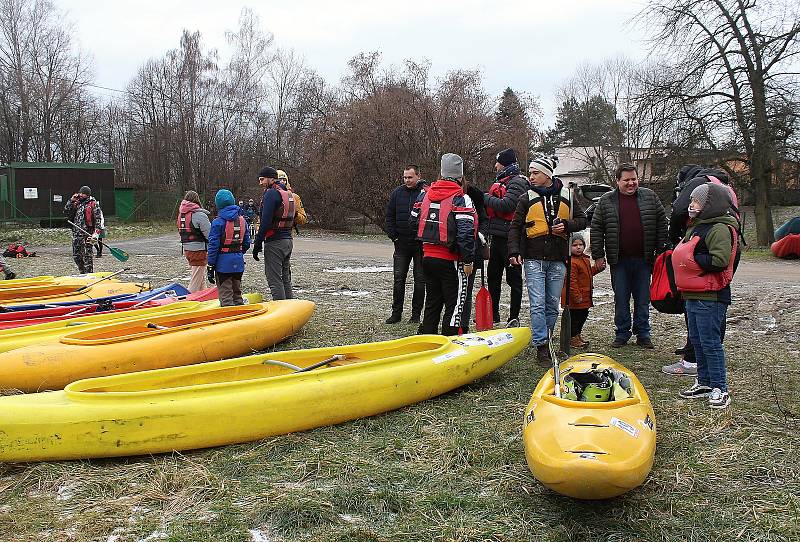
<point x="580" y="289"/>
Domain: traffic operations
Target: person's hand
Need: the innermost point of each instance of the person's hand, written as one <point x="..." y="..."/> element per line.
<point x="468" y="268"/>
<point x="601" y="263"/>
<point x="559" y="227"/>
<point x="95" y="238"/>
<point x="515" y="260"/>
<point x="256" y="250"/>
<point x="210" y="271"/>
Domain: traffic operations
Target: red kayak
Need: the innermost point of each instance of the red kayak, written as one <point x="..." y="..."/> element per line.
<point x="14" y="319"/>
<point x="788" y="247"/>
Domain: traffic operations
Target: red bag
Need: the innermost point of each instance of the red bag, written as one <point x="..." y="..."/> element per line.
<point x="664" y="294"/>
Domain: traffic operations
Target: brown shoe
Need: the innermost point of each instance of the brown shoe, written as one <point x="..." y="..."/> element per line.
<point x="543" y="356"/>
<point x="583" y="343"/>
<point x="576" y="342"/>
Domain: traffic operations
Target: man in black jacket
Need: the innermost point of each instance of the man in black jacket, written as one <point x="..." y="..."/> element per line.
<point x="628" y="227"/>
<point x="406" y="246"/>
<point x="501" y="202"/>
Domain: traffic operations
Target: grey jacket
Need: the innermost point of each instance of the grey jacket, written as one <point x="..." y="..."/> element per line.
<point x="605" y="225"/>
<point x="200" y="220"/>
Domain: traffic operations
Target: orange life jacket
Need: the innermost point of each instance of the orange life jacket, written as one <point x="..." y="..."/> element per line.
<point x="690" y="277"/>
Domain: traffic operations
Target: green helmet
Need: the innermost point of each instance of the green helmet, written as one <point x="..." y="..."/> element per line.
<point x="570" y="389"/>
<point x="598" y="392"/>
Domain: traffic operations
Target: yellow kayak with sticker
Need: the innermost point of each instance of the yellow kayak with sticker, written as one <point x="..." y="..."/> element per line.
<point x="585" y="449"/>
<point x="244" y="399"/>
<point x="43" y="280"/>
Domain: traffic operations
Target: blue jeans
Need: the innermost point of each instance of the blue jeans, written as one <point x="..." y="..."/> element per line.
<point x="631" y="277"/>
<point x="544" y="280"/>
<point x="706" y="319"/>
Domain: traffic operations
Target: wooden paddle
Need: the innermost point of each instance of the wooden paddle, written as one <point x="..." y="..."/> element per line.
<point x="118" y="253"/>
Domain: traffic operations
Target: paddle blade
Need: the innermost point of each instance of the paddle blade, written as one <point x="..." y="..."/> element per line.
<point x="119" y="254"/>
<point x="566" y="328"/>
<point x="484" y="319"/>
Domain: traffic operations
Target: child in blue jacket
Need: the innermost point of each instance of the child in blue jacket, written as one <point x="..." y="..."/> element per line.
<point x="228" y="240"/>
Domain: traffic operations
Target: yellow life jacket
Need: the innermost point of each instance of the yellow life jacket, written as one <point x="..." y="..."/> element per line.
<point x="542" y="212"/>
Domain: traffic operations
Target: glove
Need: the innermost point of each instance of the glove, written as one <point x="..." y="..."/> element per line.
<point x="95" y="238"/>
<point x="210" y="274"/>
<point x="256" y="250"/>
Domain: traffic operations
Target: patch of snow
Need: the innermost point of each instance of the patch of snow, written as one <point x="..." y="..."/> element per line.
<point x="258" y="536"/>
<point x="370" y="269"/>
<point x="65" y="492"/>
<point x="155" y="535"/>
<point x="116" y="535"/>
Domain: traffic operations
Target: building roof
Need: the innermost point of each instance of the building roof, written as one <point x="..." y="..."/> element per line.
<point x="56" y="165"/>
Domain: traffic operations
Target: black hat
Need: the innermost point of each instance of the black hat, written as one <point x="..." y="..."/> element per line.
<point x="507" y="157"/>
<point x="268" y="172"/>
<point x="85" y="190"/>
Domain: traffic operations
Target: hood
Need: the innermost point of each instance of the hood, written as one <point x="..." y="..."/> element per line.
<point x="718" y="202"/>
<point x="230" y="212"/>
<point x="443" y="189"/>
<point x="187" y="206"/>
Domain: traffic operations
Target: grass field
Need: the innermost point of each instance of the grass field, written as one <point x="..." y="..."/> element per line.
<point x="451" y="468"/>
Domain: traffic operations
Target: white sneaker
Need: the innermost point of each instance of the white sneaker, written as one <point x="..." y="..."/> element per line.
<point x="719" y="399"/>
<point x="680" y="368"/>
<point x="696" y="391"/>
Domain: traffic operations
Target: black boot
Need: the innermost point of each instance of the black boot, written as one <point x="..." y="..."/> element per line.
<point x="394" y="318"/>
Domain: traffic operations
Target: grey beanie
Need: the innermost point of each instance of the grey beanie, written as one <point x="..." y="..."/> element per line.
<point x="714" y="199"/>
<point x="577" y="236"/>
<point x="452" y="166"/>
<point x="85" y="190"/>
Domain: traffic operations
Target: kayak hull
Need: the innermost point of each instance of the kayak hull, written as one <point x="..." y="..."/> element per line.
<point x="589" y="450"/>
<point x="43" y="280"/>
<point x="243" y="399"/>
<point x="193" y="335"/>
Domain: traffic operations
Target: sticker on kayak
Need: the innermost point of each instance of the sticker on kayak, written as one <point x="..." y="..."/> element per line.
<point x="648" y="422"/>
<point x="625" y="426"/>
<point x="449" y="355"/>
<point x="588" y="455"/>
<point x="530" y="417"/>
<point x="492" y="342"/>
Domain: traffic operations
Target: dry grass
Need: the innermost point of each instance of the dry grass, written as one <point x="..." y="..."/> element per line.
<point x="452" y="468"/>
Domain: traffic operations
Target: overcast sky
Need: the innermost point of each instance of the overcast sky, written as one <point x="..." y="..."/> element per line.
<point x="531" y="46"/>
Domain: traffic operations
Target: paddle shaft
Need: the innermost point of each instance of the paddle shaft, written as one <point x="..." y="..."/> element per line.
<point x="566" y="315"/>
<point x="114" y="274"/>
<point x="119" y="254"/>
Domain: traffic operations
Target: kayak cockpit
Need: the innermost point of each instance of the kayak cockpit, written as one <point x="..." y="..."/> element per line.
<point x="144" y="327"/>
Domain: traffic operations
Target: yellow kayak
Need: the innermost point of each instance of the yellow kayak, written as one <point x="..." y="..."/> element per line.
<point x="41" y="334"/>
<point x="42" y="280"/>
<point x="244" y="399"/>
<point x="590" y="450"/>
<point x="153" y="341"/>
<point x="56" y="293"/>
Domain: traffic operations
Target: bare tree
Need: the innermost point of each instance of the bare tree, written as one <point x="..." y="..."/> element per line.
<point x="731" y="60"/>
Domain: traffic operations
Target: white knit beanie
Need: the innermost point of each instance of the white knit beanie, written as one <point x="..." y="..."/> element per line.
<point x="545" y="164"/>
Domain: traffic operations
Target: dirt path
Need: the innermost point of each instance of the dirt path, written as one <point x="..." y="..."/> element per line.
<point x="354" y="251"/>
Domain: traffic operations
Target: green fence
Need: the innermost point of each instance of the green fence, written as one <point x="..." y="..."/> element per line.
<point x="141" y="205"/>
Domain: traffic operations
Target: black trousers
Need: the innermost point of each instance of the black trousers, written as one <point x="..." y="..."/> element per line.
<point x="445" y="286"/>
<point x="577" y="320"/>
<point x="406" y="252"/>
<point x="498" y="261"/>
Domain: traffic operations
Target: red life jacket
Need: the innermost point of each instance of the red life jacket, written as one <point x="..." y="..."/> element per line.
<point x="283" y="219"/>
<point x="234" y="235"/>
<point x="499" y="190"/>
<point x="187" y="230"/>
<point x="88" y="215"/>
<point x="434" y="217"/>
<point x="690" y="277"/>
